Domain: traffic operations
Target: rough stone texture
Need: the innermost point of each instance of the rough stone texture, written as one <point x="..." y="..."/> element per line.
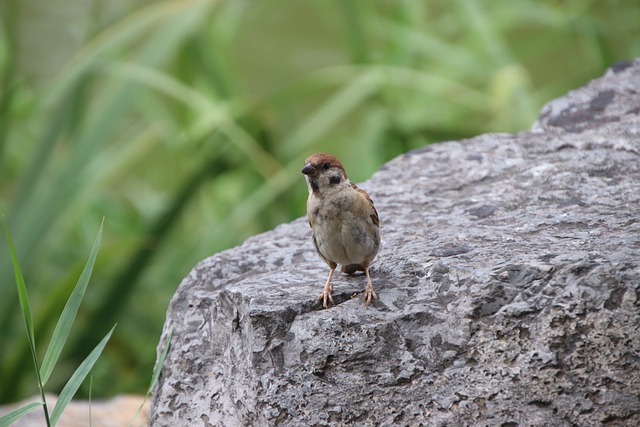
<point x="509" y="286"/>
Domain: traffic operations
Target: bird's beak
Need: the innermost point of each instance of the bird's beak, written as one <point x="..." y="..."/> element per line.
<point x="308" y="169"/>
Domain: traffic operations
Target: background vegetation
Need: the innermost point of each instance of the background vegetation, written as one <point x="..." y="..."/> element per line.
<point x="185" y="122"/>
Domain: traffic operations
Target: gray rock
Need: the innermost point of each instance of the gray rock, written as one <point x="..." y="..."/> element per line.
<point x="509" y="286"/>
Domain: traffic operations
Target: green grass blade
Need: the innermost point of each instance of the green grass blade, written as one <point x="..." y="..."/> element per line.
<point x="154" y="376"/>
<point x="68" y="315"/>
<point x="77" y="378"/>
<point x="14" y="416"/>
<point x="28" y="318"/>
<point x="158" y="368"/>
<point x="22" y="293"/>
<point x="90" y="390"/>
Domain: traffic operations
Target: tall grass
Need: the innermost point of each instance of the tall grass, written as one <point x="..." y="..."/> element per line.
<point x="58" y="339"/>
<point x="185" y="123"/>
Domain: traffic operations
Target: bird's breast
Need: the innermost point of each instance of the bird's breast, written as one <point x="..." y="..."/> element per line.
<point x="342" y="233"/>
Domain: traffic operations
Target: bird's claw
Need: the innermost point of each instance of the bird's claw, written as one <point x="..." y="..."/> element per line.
<point x="368" y="296"/>
<point x="324" y="296"/>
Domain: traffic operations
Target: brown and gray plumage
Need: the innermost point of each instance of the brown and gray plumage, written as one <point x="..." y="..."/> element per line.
<point x="344" y="221"/>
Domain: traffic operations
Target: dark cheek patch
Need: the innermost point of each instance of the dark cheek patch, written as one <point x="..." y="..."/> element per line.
<point x="335" y="179"/>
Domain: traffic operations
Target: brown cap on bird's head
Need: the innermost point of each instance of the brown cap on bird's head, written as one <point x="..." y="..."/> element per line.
<point x="320" y="161"/>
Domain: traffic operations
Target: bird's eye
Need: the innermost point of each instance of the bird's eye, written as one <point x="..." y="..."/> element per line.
<point x="325" y="166"/>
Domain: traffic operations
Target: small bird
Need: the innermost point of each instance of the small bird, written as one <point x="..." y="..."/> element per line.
<point x="344" y="221"/>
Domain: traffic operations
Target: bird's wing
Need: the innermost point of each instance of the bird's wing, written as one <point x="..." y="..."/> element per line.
<point x="368" y="202"/>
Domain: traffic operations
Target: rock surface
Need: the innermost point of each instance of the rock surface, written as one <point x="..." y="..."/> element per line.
<point x="509" y="286"/>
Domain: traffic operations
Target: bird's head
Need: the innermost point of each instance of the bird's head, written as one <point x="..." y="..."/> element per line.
<point x="323" y="171"/>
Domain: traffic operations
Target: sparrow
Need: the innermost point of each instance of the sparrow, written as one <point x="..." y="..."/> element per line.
<point x="343" y="219"/>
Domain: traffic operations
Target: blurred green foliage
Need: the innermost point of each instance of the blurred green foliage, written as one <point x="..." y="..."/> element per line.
<point x="185" y="124"/>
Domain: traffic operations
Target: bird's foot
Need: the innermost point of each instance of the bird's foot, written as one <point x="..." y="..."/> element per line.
<point x="326" y="296"/>
<point x="369" y="295"/>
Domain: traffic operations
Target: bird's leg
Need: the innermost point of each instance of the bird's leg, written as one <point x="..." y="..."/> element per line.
<point x="326" y="293"/>
<point x="369" y="294"/>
